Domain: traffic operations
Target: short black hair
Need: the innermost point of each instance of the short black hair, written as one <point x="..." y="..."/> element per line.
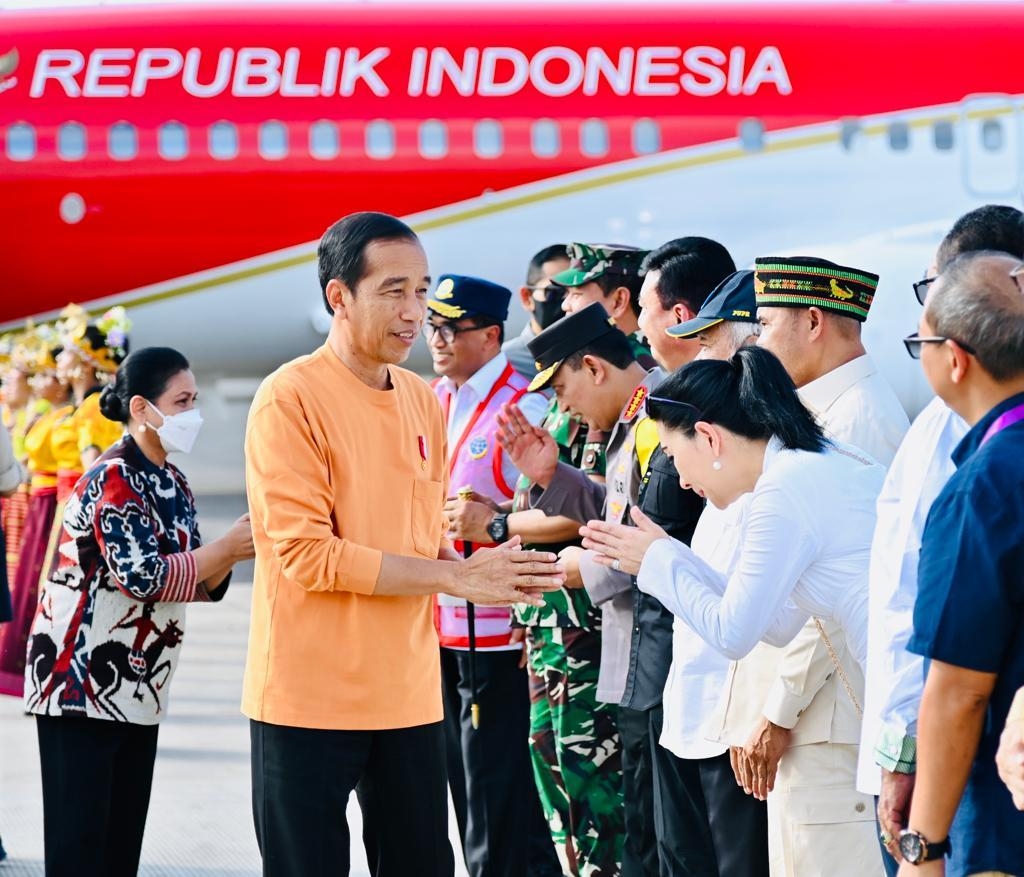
<point x="612" y="347"/>
<point x="145" y="372"/>
<point x="751" y="395"/>
<point x="992" y="227"/>
<point x="610" y="281"/>
<point x="340" y="255"/>
<point x="691" y="267"/>
<point x="548" y="254"/>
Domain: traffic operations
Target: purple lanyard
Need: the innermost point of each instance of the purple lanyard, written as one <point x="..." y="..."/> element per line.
<point x="1008" y="418"/>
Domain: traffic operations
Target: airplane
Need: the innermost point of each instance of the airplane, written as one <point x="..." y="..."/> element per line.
<point x="183" y="160"/>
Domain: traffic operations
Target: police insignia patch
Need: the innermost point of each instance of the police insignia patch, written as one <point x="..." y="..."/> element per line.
<point x="478" y="447"/>
<point x="634" y="404"/>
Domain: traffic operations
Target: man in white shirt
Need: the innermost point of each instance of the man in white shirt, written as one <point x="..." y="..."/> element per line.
<point x="790" y="702"/>
<point x="923" y="465"/>
<point x="486" y="696"/>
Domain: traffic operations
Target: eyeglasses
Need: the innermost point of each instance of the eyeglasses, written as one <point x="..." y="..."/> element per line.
<point x="447" y="331"/>
<point x="913" y="344"/>
<point x="921" y="288"/>
<point x="661" y="400"/>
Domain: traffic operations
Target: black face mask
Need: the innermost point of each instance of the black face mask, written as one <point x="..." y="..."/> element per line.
<point x="548" y="311"/>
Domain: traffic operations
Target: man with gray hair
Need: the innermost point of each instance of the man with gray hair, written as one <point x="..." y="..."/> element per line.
<point x="726" y="321"/>
<point x="919" y="471"/>
<point x="969" y="614"/>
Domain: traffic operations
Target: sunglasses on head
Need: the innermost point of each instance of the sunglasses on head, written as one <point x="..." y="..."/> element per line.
<point x="661" y="400"/>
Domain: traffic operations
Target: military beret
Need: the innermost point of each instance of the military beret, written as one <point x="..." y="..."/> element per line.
<point x="732" y="299"/>
<point x="457" y="296"/>
<point x="804" y="282"/>
<point x="571" y="333"/>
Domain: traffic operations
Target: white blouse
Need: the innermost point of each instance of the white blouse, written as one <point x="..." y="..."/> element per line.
<point x="804" y="550"/>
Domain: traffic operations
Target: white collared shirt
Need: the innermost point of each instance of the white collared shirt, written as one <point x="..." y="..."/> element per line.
<point x="856" y="405"/>
<point x="796" y="543"/>
<point x="699" y="671"/>
<point x="466" y="398"/>
<point x="895" y="677"/>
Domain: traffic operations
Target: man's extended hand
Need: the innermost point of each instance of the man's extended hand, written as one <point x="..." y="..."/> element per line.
<point x="756" y="764"/>
<point x="468" y="519"/>
<point x="506" y="575"/>
<point x="570" y="557"/>
<point x="532" y="449"/>
<point x="894" y="807"/>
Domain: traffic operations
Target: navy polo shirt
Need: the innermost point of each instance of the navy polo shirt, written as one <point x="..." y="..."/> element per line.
<point x="970" y="613"/>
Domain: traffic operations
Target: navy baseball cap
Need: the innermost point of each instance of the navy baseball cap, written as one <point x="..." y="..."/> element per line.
<point x="733" y="299"/>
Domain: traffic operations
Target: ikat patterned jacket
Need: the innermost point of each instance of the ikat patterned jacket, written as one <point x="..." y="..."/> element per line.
<point x="107" y="633"/>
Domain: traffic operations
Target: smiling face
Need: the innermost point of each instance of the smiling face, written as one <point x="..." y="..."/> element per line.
<point x="580" y="392"/>
<point x="472" y="348"/>
<point x="381" y="319"/>
<point x="695" y="456"/>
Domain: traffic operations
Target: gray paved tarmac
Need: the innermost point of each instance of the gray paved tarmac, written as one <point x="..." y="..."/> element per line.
<point x="200" y="822"/>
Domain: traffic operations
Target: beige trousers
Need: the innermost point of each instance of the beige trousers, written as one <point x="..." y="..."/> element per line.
<point x="818" y="824"/>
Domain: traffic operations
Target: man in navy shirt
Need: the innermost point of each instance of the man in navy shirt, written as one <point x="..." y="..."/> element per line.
<point x="969" y="615"/>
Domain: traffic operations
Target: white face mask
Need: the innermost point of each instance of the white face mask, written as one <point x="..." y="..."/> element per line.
<point x="179" y="431"/>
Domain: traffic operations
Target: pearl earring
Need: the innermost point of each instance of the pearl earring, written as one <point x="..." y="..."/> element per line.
<point x="716" y="465"/>
<point x="142" y="428"/>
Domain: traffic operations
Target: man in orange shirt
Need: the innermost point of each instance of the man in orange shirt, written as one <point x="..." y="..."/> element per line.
<point x="346" y="473"/>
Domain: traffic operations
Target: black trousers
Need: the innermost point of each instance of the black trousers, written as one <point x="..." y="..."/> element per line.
<point x="301" y="781"/>
<point x="640" y="851"/>
<point x="707" y="826"/>
<point x="501" y="823"/>
<point x="97" y="776"/>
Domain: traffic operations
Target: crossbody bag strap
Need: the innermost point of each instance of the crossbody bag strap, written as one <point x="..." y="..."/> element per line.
<point x="839" y="667"/>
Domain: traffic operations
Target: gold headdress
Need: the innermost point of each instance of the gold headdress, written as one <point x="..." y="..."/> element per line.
<point x="104" y="353"/>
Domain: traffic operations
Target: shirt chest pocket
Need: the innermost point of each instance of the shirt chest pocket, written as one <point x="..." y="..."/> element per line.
<point x="427" y="508"/>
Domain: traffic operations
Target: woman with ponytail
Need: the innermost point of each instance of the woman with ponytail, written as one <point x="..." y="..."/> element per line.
<point x="107" y="634"/>
<point x="802" y="544"/>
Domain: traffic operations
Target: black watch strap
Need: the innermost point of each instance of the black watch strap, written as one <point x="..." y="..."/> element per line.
<point x="497" y="529"/>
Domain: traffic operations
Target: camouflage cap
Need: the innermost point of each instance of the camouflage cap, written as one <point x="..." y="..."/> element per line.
<point x="589" y="261"/>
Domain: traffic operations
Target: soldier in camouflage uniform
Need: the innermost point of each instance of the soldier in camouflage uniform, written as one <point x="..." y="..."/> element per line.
<point x="573" y="738"/>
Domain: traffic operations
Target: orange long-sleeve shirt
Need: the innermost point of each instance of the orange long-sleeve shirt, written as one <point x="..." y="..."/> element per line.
<point x="338" y="473"/>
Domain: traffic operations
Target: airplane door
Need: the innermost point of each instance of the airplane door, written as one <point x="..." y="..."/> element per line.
<point x="990" y="129"/>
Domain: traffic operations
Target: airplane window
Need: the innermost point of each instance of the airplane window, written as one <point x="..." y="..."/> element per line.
<point x="223" y="140"/>
<point x="646" y="137"/>
<point x="942" y="133"/>
<point x="380" y="139"/>
<point x="545" y="139"/>
<point x="323" y="140"/>
<point x="21" y="142"/>
<point x="899" y="136"/>
<point x="751" y="134"/>
<point x="487" y="138"/>
<point x="849" y="133"/>
<point x="594" y="138"/>
<point x="992" y="135"/>
<point x="273" y="140"/>
<point x="71" y="141"/>
<point x="122" y="141"/>
<point x="433" y="139"/>
<point x="172" y="141"/>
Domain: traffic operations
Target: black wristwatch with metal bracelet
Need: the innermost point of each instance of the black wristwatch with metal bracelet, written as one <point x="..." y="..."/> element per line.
<point x="497" y="529"/>
<point x="916" y="849"/>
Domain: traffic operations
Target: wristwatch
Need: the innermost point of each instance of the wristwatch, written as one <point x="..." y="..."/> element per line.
<point x="497" y="529"/>
<point x="916" y="849"/>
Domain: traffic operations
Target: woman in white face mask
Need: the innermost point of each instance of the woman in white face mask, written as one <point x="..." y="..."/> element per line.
<point x="106" y="639"/>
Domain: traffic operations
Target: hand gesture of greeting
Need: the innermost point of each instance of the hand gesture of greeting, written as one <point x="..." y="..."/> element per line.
<point x="532" y="449"/>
